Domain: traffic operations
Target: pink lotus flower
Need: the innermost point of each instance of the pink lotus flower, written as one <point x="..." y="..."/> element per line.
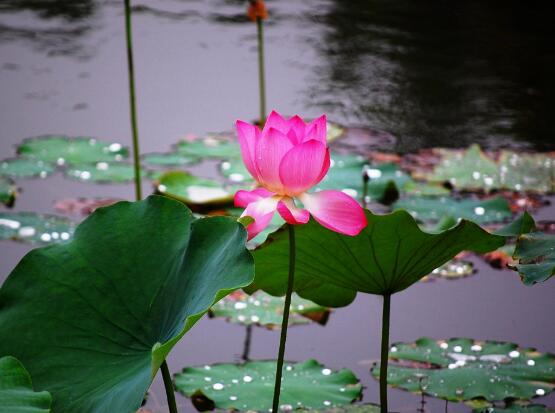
<point x="287" y="158"/>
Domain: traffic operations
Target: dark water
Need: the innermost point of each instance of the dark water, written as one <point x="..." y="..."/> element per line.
<point x="430" y="72"/>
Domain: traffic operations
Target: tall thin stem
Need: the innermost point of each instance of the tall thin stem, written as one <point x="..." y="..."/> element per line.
<point x="384" y="352"/>
<point x="365" y="179"/>
<point x="285" y="321"/>
<point x="132" y="103"/>
<point x="247" y="344"/>
<point x="169" y="387"/>
<point x="261" y="71"/>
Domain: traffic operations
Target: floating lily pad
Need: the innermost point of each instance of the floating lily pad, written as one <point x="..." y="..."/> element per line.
<point x="471" y="169"/>
<point x="265" y="310"/>
<point x="452" y="270"/>
<point x="35" y="228"/>
<point x="169" y="159"/>
<point x="235" y="171"/>
<point x="425" y="189"/>
<point x="63" y="150"/>
<point x="103" y="172"/>
<point x="516" y="407"/>
<point x="94" y="318"/>
<point x="346" y="172"/>
<point x="433" y="209"/>
<point x="465" y="369"/>
<point x="16" y="390"/>
<point x="211" y="146"/>
<point x="348" y="408"/>
<point x="25" y="168"/>
<point x="535" y="253"/>
<point x="8" y="192"/>
<point x="83" y="206"/>
<point x="250" y="386"/>
<point x="526" y="172"/>
<point x="192" y="190"/>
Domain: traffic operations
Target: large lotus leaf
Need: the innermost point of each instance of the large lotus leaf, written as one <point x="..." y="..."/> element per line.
<point x="470" y="169"/>
<point x="193" y="190"/>
<point x="35" y="228"/>
<point x="527" y="172"/>
<point x="516" y="408"/>
<point x="389" y="255"/>
<point x="250" y="386"/>
<point x="212" y="146"/>
<point x="435" y="208"/>
<point x="8" y="192"/>
<point x="522" y="225"/>
<point x="93" y="319"/>
<point x="103" y="172"/>
<point x="169" y="159"/>
<point x="25" y="168"/>
<point x="536" y="255"/>
<point x="265" y="310"/>
<point x="16" y="390"/>
<point x="68" y="150"/>
<point x="463" y="369"/>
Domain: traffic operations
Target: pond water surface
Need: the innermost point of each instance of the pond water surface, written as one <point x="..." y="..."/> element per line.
<point x="430" y="73"/>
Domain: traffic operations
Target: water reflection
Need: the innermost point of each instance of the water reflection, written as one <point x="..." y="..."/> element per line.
<point x="51" y="26"/>
<point x="439" y="73"/>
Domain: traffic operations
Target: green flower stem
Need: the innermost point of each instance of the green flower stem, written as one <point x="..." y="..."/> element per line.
<point x="285" y="321"/>
<point x="132" y="103"/>
<point x="168" y="384"/>
<point x="365" y="179"/>
<point x="261" y="75"/>
<point x="384" y="352"/>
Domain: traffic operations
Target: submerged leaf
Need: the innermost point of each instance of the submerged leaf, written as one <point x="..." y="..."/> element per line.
<point x="63" y="150"/>
<point x="389" y="255"/>
<point x="16" y="390"/>
<point x="137" y="276"/>
<point x="265" y="310"/>
<point x="169" y="159"/>
<point x="250" y="386"/>
<point x="463" y="369"/>
<point x="35" y="228"/>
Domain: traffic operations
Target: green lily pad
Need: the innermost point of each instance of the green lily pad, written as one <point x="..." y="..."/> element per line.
<point x="527" y="172"/>
<point x="235" y="171"/>
<point x="63" y="150"/>
<point x="250" y="386"/>
<point x="265" y="310"/>
<point x="516" y="407"/>
<point x="346" y="171"/>
<point x="425" y="189"/>
<point x="471" y="169"/>
<point x="463" y="369"/>
<point x="103" y="172"/>
<point x="535" y="253"/>
<point x="433" y="209"/>
<point x="8" y="192"/>
<point x="106" y="308"/>
<point x="35" y="228"/>
<point x="16" y="390"/>
<point x="389" y="255"/>
<point x="209" y="147"/>
<point x="169" y="159"/>
<point x="348" y="408"/>
<point x="452" y="270"/>
<point x="192" y="190"/>
<point x="25" y="168"/>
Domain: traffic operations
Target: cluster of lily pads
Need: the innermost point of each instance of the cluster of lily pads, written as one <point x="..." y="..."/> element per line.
<point x="108" y="276"/>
